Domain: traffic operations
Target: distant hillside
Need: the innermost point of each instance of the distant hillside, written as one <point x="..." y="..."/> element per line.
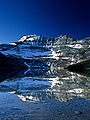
<point x="82" y="68"/>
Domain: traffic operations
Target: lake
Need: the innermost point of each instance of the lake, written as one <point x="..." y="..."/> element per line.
<point x="38" y="93"/>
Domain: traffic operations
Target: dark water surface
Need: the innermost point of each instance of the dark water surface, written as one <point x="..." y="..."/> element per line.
<point x="44" y="95"/>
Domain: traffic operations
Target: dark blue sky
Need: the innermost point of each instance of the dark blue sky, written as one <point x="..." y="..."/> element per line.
<point x="48" y="18"/>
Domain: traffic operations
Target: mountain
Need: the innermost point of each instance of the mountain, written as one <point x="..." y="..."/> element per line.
<point x="27" y="47"/>
<point x="53" y="52"/>
<point x="10" y="63"/>
<point x="45" y="59"/>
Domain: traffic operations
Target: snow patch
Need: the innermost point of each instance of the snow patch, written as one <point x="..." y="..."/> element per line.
<point x="77" y="90"/>
<point x="78" y="46"/>
<point x="13" y="43"/>
<point x="22" y="39"/>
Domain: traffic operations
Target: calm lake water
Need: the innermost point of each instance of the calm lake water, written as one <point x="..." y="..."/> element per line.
<point x="39" y="85"/>
<point x="44" y="95"/>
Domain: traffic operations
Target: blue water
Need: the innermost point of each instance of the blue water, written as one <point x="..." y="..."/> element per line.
<point x="44" y="95"/>
<point x="35" y="86"/>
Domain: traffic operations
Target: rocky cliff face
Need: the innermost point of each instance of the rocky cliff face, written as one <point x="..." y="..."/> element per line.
<point x="62" y="49"/>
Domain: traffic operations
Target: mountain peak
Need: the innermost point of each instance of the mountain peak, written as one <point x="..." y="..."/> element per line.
<point x="25" y="38"/>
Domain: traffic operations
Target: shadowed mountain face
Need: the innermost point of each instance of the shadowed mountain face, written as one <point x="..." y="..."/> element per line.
<point x="10" y="63"/>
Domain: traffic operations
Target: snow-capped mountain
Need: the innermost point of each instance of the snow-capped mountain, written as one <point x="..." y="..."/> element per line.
<point x="63" y="48"/>
<point x="28" y="46"/>
<point x="36" y="40"/>
<point x="46" y="58"/>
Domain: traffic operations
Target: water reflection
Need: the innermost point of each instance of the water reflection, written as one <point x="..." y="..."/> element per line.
<point x="9" y="73"/>
<point x="37" y="85"/>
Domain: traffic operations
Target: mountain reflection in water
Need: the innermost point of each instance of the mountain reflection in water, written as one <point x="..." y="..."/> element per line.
<point x="37" y="85"/>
